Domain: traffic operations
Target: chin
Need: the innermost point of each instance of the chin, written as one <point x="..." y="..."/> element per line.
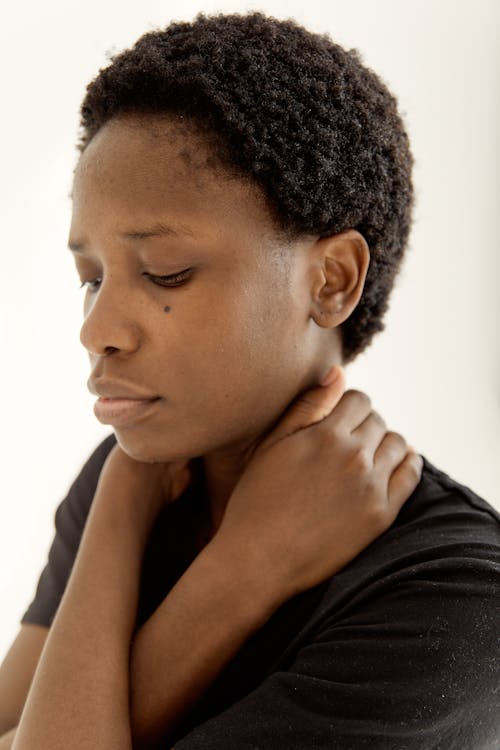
<point x="145" y="450"/>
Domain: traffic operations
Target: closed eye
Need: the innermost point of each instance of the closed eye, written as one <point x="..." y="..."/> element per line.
<point x="173" y="279"/>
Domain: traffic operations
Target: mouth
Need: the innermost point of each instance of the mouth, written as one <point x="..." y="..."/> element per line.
<point x="123" y="411"/>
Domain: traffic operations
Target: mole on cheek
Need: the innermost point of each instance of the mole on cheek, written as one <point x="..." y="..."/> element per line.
<point x="166" y="308"/>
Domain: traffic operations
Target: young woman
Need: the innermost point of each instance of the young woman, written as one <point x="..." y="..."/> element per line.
<point x="251" y="559"/>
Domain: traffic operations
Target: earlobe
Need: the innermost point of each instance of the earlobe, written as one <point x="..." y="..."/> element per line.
<point x="342" y="262"/>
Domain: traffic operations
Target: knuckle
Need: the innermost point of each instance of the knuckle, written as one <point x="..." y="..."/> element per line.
<point x="333" y="433"/>
<point x="330" y="427"/>
<point x="362" y="459"/>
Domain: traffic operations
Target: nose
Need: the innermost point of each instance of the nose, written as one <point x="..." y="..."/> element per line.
<point x="109" y="321"/>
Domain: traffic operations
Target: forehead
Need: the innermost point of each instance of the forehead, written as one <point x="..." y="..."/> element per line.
<point x="145" y="167"/>
<point x="153" y="137"/>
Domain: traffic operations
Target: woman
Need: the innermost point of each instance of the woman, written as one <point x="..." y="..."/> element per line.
<point x="234" y="567"/>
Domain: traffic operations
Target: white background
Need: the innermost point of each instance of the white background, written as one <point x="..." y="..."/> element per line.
<point x="433" y="374"/>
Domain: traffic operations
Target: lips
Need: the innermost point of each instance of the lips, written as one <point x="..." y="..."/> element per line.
<point x="121" y="403"/>
<point x="123" y="411"/>
<point x="116" y="389"/>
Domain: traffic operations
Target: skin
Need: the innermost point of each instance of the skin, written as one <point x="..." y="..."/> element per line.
<point x="255" y="324"/>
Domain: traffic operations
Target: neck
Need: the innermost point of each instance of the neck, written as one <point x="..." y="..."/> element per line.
<point x="222" y="472"/>
<point x="224" y="467"/>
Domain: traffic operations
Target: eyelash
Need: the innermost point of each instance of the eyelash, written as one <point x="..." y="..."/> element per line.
<point x="176" y="278"/>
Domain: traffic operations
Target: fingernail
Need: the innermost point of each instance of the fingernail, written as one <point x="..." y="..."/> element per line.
<point x="331" y="376"/>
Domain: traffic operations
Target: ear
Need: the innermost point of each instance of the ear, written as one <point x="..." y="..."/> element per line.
<point x="339" y="265"/>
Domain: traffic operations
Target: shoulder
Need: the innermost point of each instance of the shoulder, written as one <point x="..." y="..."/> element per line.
<point x="442" y="553"/>
<point x="437" y="486"/>
<point x="72" y="512"/>
<point x="70" y="518"/>
<point x="442" y="518"/>
<point x="414" y="618"/>
<point x="83" y="487"/>
<point x="95" y="461"/>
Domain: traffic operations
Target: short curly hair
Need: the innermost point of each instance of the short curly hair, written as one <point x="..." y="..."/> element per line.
<point x="302" y="117"/>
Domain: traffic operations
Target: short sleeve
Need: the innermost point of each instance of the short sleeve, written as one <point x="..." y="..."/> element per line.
<point x="414" y="667"/>
<point x="70" y="517"/>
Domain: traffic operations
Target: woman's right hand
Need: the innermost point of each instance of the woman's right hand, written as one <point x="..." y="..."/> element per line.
<point x="323" y="485"/>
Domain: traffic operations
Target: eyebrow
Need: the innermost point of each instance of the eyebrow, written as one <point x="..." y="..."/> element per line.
<point x="156" y="230"/>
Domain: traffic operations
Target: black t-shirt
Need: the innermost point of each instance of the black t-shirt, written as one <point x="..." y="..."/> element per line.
<point x="397" y="651"/>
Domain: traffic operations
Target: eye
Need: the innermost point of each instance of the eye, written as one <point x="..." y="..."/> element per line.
<point x="173" y="279"/>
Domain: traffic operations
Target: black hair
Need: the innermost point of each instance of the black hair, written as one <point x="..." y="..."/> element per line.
<point x="317" y="130"/>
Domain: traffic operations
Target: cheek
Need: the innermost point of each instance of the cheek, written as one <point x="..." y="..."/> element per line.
<point x="247" y="340"/>
<point x="227" y="381"/>
<point x="230" y="348"/>
<point x="248" y="360"/>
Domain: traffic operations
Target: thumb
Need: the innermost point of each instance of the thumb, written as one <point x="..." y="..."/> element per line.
<point x="310" y="407"/>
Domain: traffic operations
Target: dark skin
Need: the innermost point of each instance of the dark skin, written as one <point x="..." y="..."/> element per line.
<point x="255" y="323"/>
<point x="240" y="340"/>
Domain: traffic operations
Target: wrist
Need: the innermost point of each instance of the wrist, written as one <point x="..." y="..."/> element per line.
<point x="260" y="588"/>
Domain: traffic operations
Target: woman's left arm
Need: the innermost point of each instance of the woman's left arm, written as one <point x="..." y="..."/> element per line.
<point x="79" y="696"/>
<point x="97" y="686"/>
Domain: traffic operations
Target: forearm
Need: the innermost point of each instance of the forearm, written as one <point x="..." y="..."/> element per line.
<point x="88" y="675"/>
<point x="196" y="631"/>
<point x="205" y="619"/>
<point x="80" y="689"/>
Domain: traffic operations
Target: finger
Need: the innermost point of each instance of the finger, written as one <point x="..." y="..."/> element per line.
<point x="370" y="433"/>
<point x="391" y="451"/>
<point x="404" y="480"/>
<point x="310" y="407"/>
<point x="352" y="409"/>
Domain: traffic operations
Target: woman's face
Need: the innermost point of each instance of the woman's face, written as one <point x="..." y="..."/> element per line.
<point x="227" y="347"/>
